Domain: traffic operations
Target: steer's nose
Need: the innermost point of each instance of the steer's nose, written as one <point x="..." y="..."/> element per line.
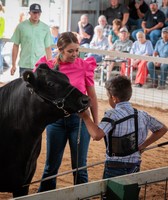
<point x="85" y="101"/>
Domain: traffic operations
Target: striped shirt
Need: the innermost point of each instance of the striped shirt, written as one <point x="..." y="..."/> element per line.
<point x="145" y="123"/>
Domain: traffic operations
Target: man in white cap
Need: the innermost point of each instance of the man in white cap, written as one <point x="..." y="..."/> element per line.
<point x="35" y="39"/>
<point x="123" y="44"/>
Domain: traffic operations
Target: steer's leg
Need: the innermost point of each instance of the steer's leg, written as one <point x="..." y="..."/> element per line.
<point x="21" y="192"/>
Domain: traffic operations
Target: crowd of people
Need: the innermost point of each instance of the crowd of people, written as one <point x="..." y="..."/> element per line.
<point x="113" y="32"/>
<point x="135" y="21"/>
<point x="139" y="16"/>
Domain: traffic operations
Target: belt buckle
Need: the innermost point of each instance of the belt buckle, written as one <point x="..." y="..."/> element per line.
<point x="113" y="154"/>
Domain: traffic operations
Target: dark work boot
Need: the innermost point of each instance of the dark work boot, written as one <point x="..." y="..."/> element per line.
<point x="153" y="84"/>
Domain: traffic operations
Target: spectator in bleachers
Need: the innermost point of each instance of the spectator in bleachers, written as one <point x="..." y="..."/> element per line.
<point x="137" y="10"/>
<point x="152" y="23"/>
<point x="99" y="41"/>
<point x="140" y="47"/>
<point x="117" y="11"/>
<point x="22" y="17"/>
<point x="102" y="21"/>
<point x="164" y="9"/>
<point x="113" y="35"/>
<point x="85" y="31"/>
<point x="161" y="50"/>
<point x="123" y="44"/>
<point x="55" y="35"/>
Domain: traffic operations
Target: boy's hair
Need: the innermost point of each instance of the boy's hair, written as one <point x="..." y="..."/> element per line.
<point x="120" y="87"/>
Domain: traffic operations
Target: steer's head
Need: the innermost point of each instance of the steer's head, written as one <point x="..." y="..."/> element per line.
<point x="54" y="88"/>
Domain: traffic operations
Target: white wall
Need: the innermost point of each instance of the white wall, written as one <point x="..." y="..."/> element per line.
<point x="54" y="13"/>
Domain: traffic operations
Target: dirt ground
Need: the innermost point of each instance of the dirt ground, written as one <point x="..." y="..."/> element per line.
<point x="151" y="159"/>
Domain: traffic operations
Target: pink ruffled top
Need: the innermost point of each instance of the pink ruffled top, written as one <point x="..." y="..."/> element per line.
<point x="80" y="72"/>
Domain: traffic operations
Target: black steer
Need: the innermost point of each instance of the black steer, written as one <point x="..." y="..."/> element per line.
<point x="26" y="106"/>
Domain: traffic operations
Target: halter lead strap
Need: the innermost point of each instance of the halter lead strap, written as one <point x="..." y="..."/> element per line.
<point x="59" y="103"/>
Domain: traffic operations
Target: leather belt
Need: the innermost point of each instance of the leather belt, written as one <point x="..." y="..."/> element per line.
<point x="114" y="164"/>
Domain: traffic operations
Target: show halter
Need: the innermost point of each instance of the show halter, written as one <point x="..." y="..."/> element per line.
<point x="59" y="103"/>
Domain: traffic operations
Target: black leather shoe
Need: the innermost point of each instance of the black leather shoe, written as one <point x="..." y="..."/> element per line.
<point x="138" y="85"/>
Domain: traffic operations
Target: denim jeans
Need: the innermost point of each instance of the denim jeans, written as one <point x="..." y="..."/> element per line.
<point x="154" y="75"/>
<point x="97" y="57"/>
<point x="153" y="36"/>
<point x="134" y="22"/>
<point x="58" y="134"/>
<point x="110" y="171"/>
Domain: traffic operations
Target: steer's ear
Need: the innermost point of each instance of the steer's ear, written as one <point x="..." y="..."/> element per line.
<point x="42" y="69"/>
<point x="29" y="77"/>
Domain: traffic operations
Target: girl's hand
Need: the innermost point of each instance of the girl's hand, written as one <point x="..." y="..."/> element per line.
<point x="83" y="114"/>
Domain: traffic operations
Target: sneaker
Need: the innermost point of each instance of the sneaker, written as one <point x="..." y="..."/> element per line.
<point x="151" y="85"/>
<point x="138" y="85"/>
<point x="161" y="87"/>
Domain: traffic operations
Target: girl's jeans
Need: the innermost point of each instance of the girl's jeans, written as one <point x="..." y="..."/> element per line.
<point x="58" y="134"/>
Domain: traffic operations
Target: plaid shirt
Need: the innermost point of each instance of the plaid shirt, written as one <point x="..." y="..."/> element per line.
<point x="106" y="30"/>
<point x="145" y="123"/>
<point x="122" y="46"/>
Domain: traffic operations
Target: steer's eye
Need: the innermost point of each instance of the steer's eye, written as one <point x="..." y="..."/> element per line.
<point x="50" y="83"/>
